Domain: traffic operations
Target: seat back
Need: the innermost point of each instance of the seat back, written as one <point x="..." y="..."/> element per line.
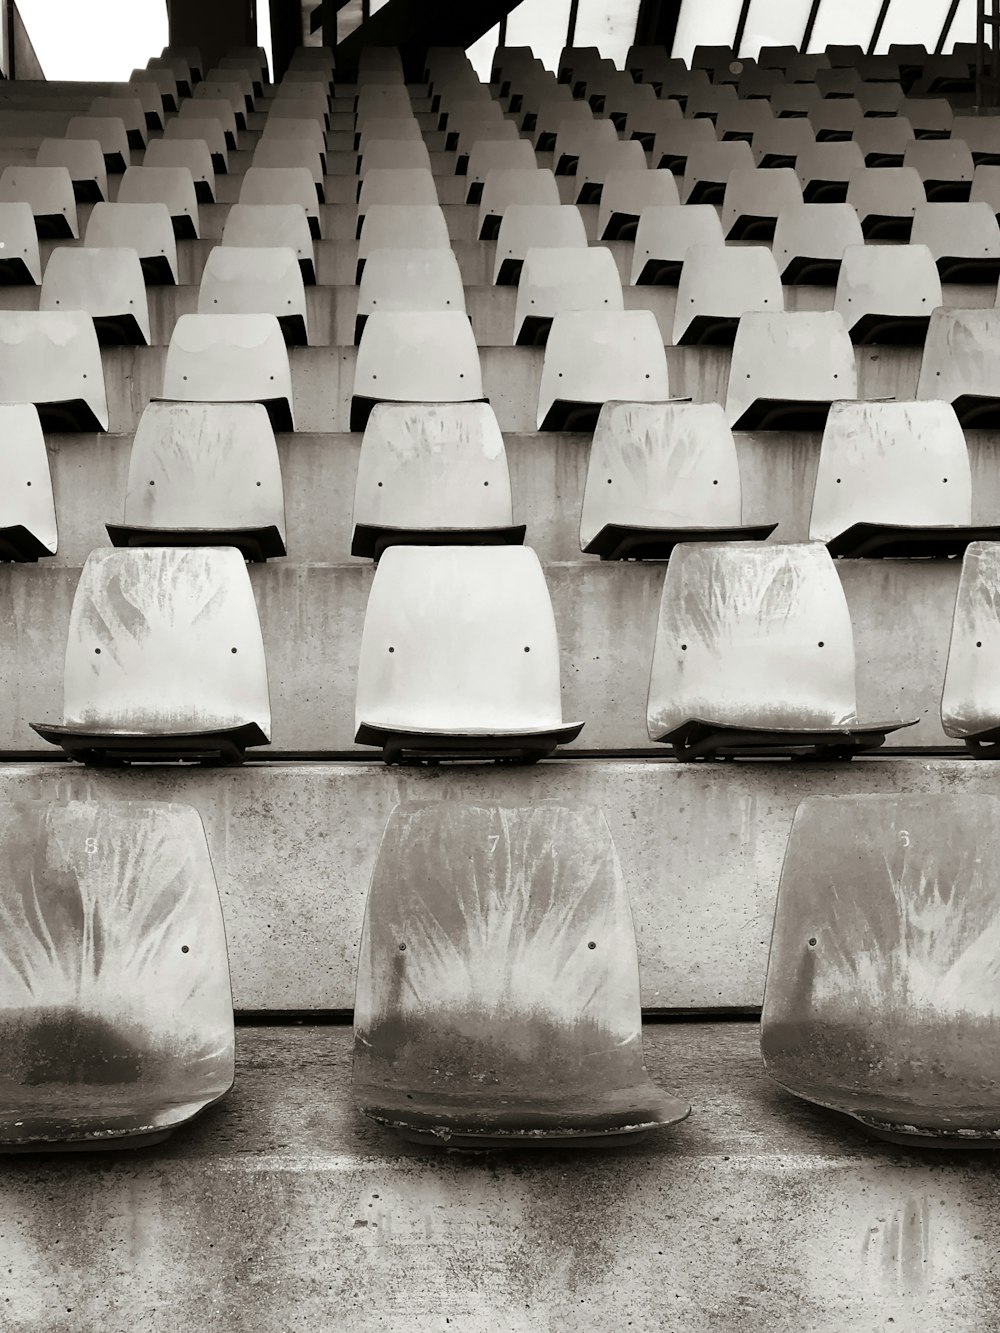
<point x="592" y="357"/>
<point x="49" y="191"/>
<point x="805" y="232"/>
<point x="399" y="227"/>
<point x="570" y="278"/>
<point x="961" y="361"/>
<point x="965" y="230"/>
<point x="282" y="185"/>
<point x="172" y="186"/>
<point x="106" y="282"/>
<point x="722" y="283"/>
<point x="796" y="357"/>
<point x="230" y="359"/>
<point x="26" y="489"/>
<point x="665" y="234"/>
<point x="401" y="186"/>
<point x="426" y="357"/>
<point x="84" y="161"/>
<point x="111" y="134"/>
<point x="191" y="154"/>
<point x="253" y="281"/>
<point x="527" y="225"/>
<point x="278" y="225"/>
<point x="52" y="359"/>
<point x="878" y="280"/>
<point x="626" y="194"/>
<point x="208" y="129"/>
<point x="413" y="280"/>
<point x="144" y="228"/>
<point x="970" y="700"/>
<point x="383" y="154"/>
<point x="19" y="242"/>
<point x="287" y="155"/>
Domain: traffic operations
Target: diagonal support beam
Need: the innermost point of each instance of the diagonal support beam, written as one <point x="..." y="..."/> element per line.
<point x="413" y="26"/>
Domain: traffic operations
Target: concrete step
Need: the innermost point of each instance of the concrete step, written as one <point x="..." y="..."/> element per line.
<point x="282" y="1205"/>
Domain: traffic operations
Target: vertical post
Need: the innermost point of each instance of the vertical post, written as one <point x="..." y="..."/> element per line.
<point x="574" y="9"/>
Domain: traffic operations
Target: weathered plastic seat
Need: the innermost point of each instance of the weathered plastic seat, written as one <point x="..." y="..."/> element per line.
<point x="203" y="129"/>
<point x="886" y="293"/>
<point x="408" y="280"/>
<point x="179" y="72"/>
<point x="945" y="167"/>
<point x="27" y="511"/>
<point x="810" y="240"/>
<point x="258" y="280"/>
<point x="383" y="154"/>
<point x="931" y="117"/>
<point x="753" y="199"/>
<point x="144" y="228"/>
<point x="894" y="480"/>
<point x="404" y="188"/>
<point x="554" y="280"/>
<point x="213" y="108"/>
<point x="841" y="82"/>
<point x="677" y="140"/>
<point x="710" y="102"/>
<point x="597" y="163"/>
<point x="593" y="357"/>
<point x="787" y="369"/>
<point x="111" y="134"/>
<point x="488" y="155"/>
<point x="53" y="359"/>
<point x="964" y="240"/>
<point x="283" y="185"/>
<point x="389" y="127"/>
<point x="709" y="167"/>
<point x="378" y="100"/>
<point x="273" y="225"/>
<point x="235" y="89"/>
<point x="171" y="186"/>
<point x="500" y="1050"/>
<point x="164" y="659"/>
<point x="745" y="120"/>
<point x="302" y="129"/>
<point x="947" y="73"/>
<point x="190" y="154"/>
<point x="663" y="238"/>
<point x="633" y="110"/>
<point x="204" y="474"/>
<point x="20" y="261"/>
<point x="655" y="116"/>
<point x="185" y="63"/>
<point x="430" y="476"/>
<point x="659" y="474"/>
<point x="304" y="102"/>
<point x="286" y="155"/>
<point x="397" y="227"/>
<point x="551" y="113"/>
<point x="507" y="186"/>
<point x="826" y="170"/>
<point x="780" y="143"/>
<point x="717" y="286"/>
<point x="166" y="90"/>
<point x="879" y="1002"/>
<point x="105" y="281"/>
<point x="883" y="140"/>
<point x="230" y="359"/>
<point x="574" y="137"/>
<point x="961" y="365"/>
<point x="981" y="134"/>
<point x="425" y="357"/>
<point x="468" y="133"/>
<point x="880" y="101"/>
<point x="84" y="161"/>
<point x="886" y="199"/>
<point x="459" y="657"/>
<point x="525" y="226"/>
<point x="754" y="654"/>
<point x="626" y="194"/>
<point x="970" y="703"/>
<point x="49" y="192"/>
<point x="835" y="119"/>
<point x="129" y="110"/>
<point x="794" y="100"/>
<point x="117" y="1008"/>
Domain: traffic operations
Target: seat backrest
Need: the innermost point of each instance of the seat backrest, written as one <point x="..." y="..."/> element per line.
<point x="825" y="162"/>
<point x="191" y="154"/>
<point x="229" y="359"/>
<point x="970" y="701"/>
<point x="411" y="280"/>
<point x="883" y="136"/>
<point x="394" y="153"/>
<point x="399" y="226"/>
<point x="49" y="191"/>
<point x="714" y="162"/>
<point x="19" y="240"/>
<point x="887" y="191"/>
<point x="569" y="278"/>
<point x="388" y="185"/>
<point x="144" y="228"/>
<point x="173" y="186"/>
<point x="798" y="356"/>
<point x="51" y="358"/>
<point x="667" y="233"/>
<point x="26" y="493"/>
<point x="887" y="280"/>
<point x="252" y="280"/>
<point x="109" y="131"/>
<point x="280" y="185"/>
<point x="726" y="282"/>
<point x="102" y="280"/>
<point x="961" y="356"/>
<point x="128" y="109"/>
<point x="429" y="356"/>
<point x="212" y="108"/>
<point x="208" y="129"/>
<point x="389" y="127"/>
<point x="818" y="231"/>
<point x="574" y="137"/>
<point x="629" y="192"/>
<point x="940" y="159"/>
<point x="752" y="634"/>
<point x="83" y="158"/>
<point x="269" y="225"/>
<point x="598" y="356"/>
<point x="287" y="154"/>
<point x="505" y="186"/>
<point x="966" y="229"/>
<point x="755" y="192"/>
<point x="486" y="155"/>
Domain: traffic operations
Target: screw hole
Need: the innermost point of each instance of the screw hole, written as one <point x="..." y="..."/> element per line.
<point x="392" y="650"/>
<point x="402" y="948"/>
<point x="820" y="644"/>
<point x="185" y="949"/>
<point x="591" y="944"/>
<point x="812" y="941"/>
<point x="97" y="651"/>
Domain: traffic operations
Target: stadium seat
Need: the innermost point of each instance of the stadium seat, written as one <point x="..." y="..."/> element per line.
<point x="780" y="143"/>
<point x="787" y="369"/>
<point x="213" y="108"/>
<point x="187" y="63"/>
<point x="284" y="186"/>
<point x="574" y="137"/>
<point x="110" y="133"/>
<point x="144" y="228"/>
<point x="405" y="188"/>
<point x="425" y="357"/>
<point x="894" y="480"/>
<point x="626" y="194"/>
<point x="518" y="1039"/>
<point x="408" y="280"/>
<point x="597" y="162"/>
<point x="663" y="238"/>
<point x="179" y="72"/>
<point x="570" y="278"/>
<point x="379" y="100"/>
<point x="754" y="654"/>
<point x="709" y="167"/>
<point x="593" y="357"/>
<point x="239" y="280"/>
<point x="810" y="240"/>
<point x="387" y="127"/>
<point x="879" y="101"/>
<point x="383" y="154"/>
<point x="707" y="103"/>
<point x="53" y="359"/>
<point x="931" y="117"/>
<point x="459" y="657"/>
<point x="285" y="154"/>
<point x="886" y="293"/>
<point x="206" y="130"/>
<point x="981" y="134"/>
<point x="946" y="74"/>
<point x="795" y="100"/>
<point x="304" y="102"/>
<point x="273" y="225"/>
<point x="233" y="86"/>
<point x="961" y="365"/>
<point x="304" y="131"/>
<point x="204" y="474"/>
<point x="964" y="240"/>
<point x="187" y="154"/>
<point x="49" y="192"/>
<point x="20" y="261"/>
<point x="944" y="165"/>
<point x="107" y="282"/>
<point x="677" y="140"/>
<point x="471" y="132"/>
<point x="534" y="225"/>
<point x="744" y="121"/>
<point x="506" y="186"/>
<point x="645" y="126"/>
<point x="165" y="85"/>
<point x="432" y="475"/>
<point x="835" y="119"/>
<point x="550" y="114"/>
<point x="488" y="155"/>
<point x="886" y="199"/>
<point x="970" y="702"/>
<point x="717" y="286"/>
<point x="634" y="110"/>
<point x="164" y="659"/>
<point x="230" y="359"/>
<point x="170" y="186"/>
<point x="84" y="161"/>
<point x="878" y="1004"/>
<point x="659" y="474"/>
<point x="883" y="140"/>
<point x="840" y="83"/>
<point x="27" y="511"/>
<point x="127" y="109"/>
<point x="398" y="227"/>
<point x="826" y="170"/>
<point x="753" y="200"/>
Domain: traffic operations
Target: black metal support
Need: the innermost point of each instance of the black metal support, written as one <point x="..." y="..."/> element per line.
<point x="988" y="53"/>
<point x="879" y="25"/>
<point x="810" y="25"/>
<point x="574" y="9"/>
<point x="741" y="24"/>
<point x="949" y="19"/>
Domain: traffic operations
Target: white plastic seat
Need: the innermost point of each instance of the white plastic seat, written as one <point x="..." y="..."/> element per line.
<point x="835" y="119"/>
<point x="207" y="130"/>
<point x="569" y="278"/>
<point x="627" y="194"/>
<point x="753" y="199"/>
<point x="961" y="365"/>
<point x="303" y="129"/>
<point x="400" y="187"/>
<point x="20" y="261"/>
<point x="981" y="134"/>
<point x="230" y="359"/>
<point x="283" y="185"/>
<point x="382" y="154"/>
<point x="886" y="199"/>
<point x="27" y="511"/>
<point x="810" y="240"/>
<point x="886" y="293"/>
<point x="677" y="140"/>
<point x="527" y="225"/>
<point x="459" y="656"/>
<point x="204" y="474"/>
<point x="398" y="227"/>
<point x="593" y="357"/>
<point x="795" y="100"/>
<point x="389" y="127"/>
<point x="644" y="123"/>
<point x="171" y="186"/>
<point x="164" y="659"/>
<point x="944" y="165"/>
<point x="659" y="474"/>
<point x="718" y="286"/>
<point x="283" y="155"/>
<point x="894" y="480"/>
<point x="709" y="101"/>
<point x="213" y="108"/>
<point x="826" y="170"/>
<point x="267" y="225"/>
<point x="166" y="87"/>
<point x="709" y="167"/>
<point x="507" y="186"/>
<point x="488" y="155"/>
<point x="192" y="155"/>
<point x="144" y="228"/>
<point x="306" y="103"/>
<point x="744" y="121"/>
<point x="127" y="109"/>
<point x="470" y="132"/>
<point x="663" y="237"/>
<point x="53" y="359"/>
<point x="234" y="85"/>
<point x="883" y="140"/>
<point x="83" y="159"/>
<point x="599" y="162"/>
<point x="931" y="117"/>
<point x="432" y="475"/>
<point x="782" y="141"/>
<point x="787" y="369"/>
<point x="239" y="280"/>
<point x="551" y="112"/>
<point x="415" y="357"/>
<point x="49" y="192"/>
<point x="179" y="71"/>
<point x="378" y="100"/>
<point x="754" y="652"/>
<point x="964" y="240"/>
<point x="106" y="282"/>
<point x="970" y="701"/>
<point x="408" y="280"/>
<point x="111" y="134"/>
<point x="574" y="137"/>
